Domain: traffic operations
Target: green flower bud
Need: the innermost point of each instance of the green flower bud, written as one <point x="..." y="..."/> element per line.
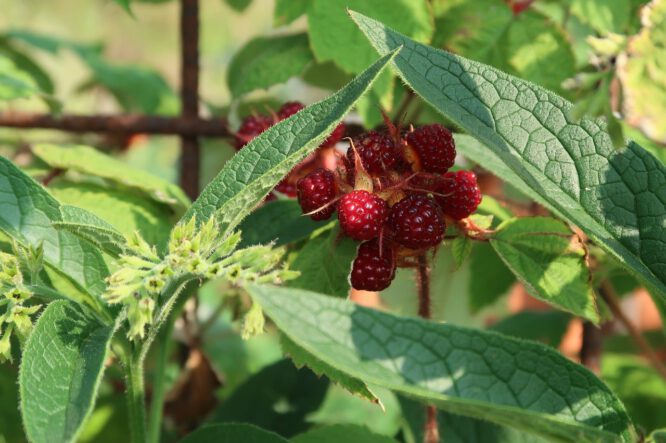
<point x="6" y="346"/>
<point x="139" y="315"/>
<point x="254" y="322"/>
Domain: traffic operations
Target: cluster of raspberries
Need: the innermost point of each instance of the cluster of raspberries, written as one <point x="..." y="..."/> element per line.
<point x="393" y="192"/>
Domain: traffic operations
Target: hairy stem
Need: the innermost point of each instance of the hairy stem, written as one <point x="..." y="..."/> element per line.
<point x="431" y="431"/>
<point x="135" y="397"/>
<point x="607" y="292"/>
<point x="157" y="398"/>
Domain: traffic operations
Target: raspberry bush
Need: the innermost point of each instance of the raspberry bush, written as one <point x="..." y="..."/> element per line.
<point x="439" y="232"/>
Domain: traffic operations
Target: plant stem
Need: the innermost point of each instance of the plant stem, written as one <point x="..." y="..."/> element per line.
<point x="431" y="430"/>
<point x="135" y="397"/>
<point x="591" y="347"/>
<point x="158" y="392"/>
<point x="607" y="292"/>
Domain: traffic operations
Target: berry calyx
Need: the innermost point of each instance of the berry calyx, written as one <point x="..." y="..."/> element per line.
<point x="373" y="268"/>
<point x="417" y="222"/>
<point x="288" y="109"/>
<point x="430" y="148"/>
<point x="362" y="214"/>
<point x="459" y="194"/>
<point x="252" y="126"/>
<point x="376" y="151"/>
<point x="316" y="191"/>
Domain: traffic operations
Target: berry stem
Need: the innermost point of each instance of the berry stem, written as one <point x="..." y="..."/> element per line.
<point x="431" y="431"/>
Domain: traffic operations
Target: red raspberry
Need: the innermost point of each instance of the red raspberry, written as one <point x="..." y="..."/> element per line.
<point x="335" y="136"/>
<point x="372" y="271"/>
<point x="252" y="126"/>
<point x="287" y="187"/>
<point x="377" y="152"/>
<point x="459" y="194"/>
<point x="315" y="190"/>
<point x="434" y="148"/>
<point x="417" y="222"/>
<point x="289" y="108"/>
<point x="362" y="214"/>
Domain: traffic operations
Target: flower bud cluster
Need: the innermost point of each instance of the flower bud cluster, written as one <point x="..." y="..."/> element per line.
<point x="14" y="314"/>
<point x="195" y="251"/>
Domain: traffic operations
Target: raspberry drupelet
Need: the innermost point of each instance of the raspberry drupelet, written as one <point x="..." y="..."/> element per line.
<point x="376" y="151"/>
<point x="362" y="214"/>
<point x="431" y="148"/>
<point x="417" y="222"/>
<point x="316" y="190"/>
<point x="373" y="268"/>
<point x="459" y="194"/>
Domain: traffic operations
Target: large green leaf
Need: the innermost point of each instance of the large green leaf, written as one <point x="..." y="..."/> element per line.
<point x="62" y="366"/>
<point x="15" y="83"/>
<point x="232" y="433"/>
<point x="260" y="165"/>
<point x="27" y="214"/>
<point x="618" y="197"/>
<point x="88" y="226"/>
<point x="474" y="373"/>
<point x="550" y="261"/>
<point x="267" y="61"/>
<point x="90" y="161"/>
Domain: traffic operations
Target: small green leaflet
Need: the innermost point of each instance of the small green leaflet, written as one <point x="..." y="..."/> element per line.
<point x="262" y="163"/>
<point x="550" y="261"/>
<point x="61" y="369"/>
<point x="268" y="61"/>
<point x="618" y="197"/>
<point x="90" y="161"/>
<point x="469" y="372"/>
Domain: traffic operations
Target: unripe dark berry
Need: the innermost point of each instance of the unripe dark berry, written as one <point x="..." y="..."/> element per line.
<point x="417" y="222"/>
<point x="316" y="190"/>
<point x="459" y="194"/>
<point x="373" y="268"/>
<point x="362" y="214"/>
<point x="252" y="126"/>
<point x="431" y="148"/>
<point x="376" y="151"/>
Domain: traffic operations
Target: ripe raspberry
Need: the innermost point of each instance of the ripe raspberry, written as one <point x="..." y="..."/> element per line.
<point x="315" y="190"/>
<point x="362" y="214"/>
<point x="252" y="126"/>
<point x="459" y="194"/>
<point x="417" y="222"/>
<point x="289" y="108"/>
<point x="377" y="152"/>
<point x="372" y="271"/>
<point x="433" y="148"/>
<point x="335" y="136"/>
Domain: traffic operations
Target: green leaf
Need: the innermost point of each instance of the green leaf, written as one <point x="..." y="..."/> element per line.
<point x="238" y="5"/>
<point x="27" y="214"/>
<point x="458" y="429"/>
<point x="465" y="371"/>
<point x="279" y="221"/>
<point x="601" y="15"/>
<point x="334" y="37"/>
<point x="527" y="45"/>
<point x="339" y="433"/>
<point x="336" y="251"/>
<point x="27" y="64"/>
<point x="15" y="83"/>
<point x="550" y="262"/>
<point x="278" y="398"/>
<point x="88" y="226"/>
<point x="497" y="278"/>
<point x="90" y="161"/>
<point x="232" y="433"/>
<point x="547" y="327"/>
<point x="10" y="418"/>
<point x="461" y="248"/>
<point x="286" y="11"/>
<point x="618" y="197"/>
<point x="638" y="385"/>
<point x="268" y="61"/>
<point x="62" y="366"/>
<point x="262" y="163"/>
<point x="125" y="211"/>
